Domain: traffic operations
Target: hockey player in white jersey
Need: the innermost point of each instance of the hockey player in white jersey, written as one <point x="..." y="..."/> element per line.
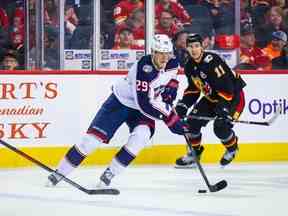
<point x="144" y="95"/>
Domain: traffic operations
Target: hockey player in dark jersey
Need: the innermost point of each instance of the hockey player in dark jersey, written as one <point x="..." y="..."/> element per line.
<point x="223" y="98"/>
<point x="143" y="96"/>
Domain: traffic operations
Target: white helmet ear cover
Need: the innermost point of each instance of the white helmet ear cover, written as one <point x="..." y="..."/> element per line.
<point x="162" y="43"/>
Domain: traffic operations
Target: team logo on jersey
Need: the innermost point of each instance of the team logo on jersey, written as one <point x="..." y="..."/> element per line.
<point x="147" y="68"/>
<point x="203" y="75"/>
<point x="204" y="87"/>
<point x="208" y="58"/>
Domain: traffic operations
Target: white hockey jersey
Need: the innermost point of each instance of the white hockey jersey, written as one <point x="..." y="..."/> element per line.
<point x="141" y="89"/>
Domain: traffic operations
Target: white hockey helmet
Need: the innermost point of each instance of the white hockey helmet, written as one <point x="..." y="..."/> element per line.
<point x="162" y="43"/>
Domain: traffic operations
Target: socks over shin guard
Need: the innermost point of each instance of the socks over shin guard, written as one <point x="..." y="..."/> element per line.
<point x="231" y="144"/>
<point x="121" y="160"/>
<point x="71" y="160"/>
<point x="124" y="157"/>
<point x="74" y="156"/>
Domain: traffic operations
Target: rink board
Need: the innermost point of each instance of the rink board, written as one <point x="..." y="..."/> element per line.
<point x="158" y="154"/>
<point x="46" y="113"/>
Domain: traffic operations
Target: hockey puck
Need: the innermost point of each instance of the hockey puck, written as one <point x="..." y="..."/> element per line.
<point x="202" y="191"/>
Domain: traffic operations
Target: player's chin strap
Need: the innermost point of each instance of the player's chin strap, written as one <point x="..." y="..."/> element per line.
<point x="264" y="123"/>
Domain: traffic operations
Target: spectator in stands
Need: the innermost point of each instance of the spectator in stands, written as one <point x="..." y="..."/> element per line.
<point x="4" y="40"/>
<point x="51" y="16"/>
<point x="249" y="52"/>
<point x="136" y="22"/>
<point x="180" y="14"/>
<point x="107" y="24"/>
<point x="274" y="48"/>
<point x="281" y="62"/>
<point x="124" y="8"/>
<point x="179" y="42"/>
<point x="12" y="6"/>
<point x="245" y="12"/>
<point x="82" y="34"/>
<point x="259" y="10"/>
<point x="167" y="24"/>
<point x="4" y="20"/>
<point x="51" y="51"/>
<point x="126" y="40"/>
<point x="70" y="18"/>
<point x="10" y="62"/>
<point x="208" y="40"/>
<point x="16" y="46"/>
<point x="17" y="29"/>
<point x="274" y="22"/>
<point x="70" y="23"/>
<point x="222" y="14"/>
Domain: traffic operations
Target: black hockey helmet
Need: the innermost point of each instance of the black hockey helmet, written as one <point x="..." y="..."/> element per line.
<point x="194" y="38"/>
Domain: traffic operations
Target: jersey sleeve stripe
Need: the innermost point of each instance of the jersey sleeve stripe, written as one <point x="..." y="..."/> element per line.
<point x="226" y="96"/>
<point x="191" y="92"/>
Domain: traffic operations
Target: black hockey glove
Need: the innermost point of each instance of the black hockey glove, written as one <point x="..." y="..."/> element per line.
<point x="181" y="109"/>
<point x="222" y="112"/>
<point x="170" y="92"/>
<point x="175" y="124"/>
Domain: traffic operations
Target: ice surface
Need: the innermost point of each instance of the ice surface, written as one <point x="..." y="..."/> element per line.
<point x="253" y="190"/>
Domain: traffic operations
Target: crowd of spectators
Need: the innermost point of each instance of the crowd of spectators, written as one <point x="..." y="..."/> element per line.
<point x="262" y="40"/>
<point x="12" y="34"/>
<point x="264" y="29"/>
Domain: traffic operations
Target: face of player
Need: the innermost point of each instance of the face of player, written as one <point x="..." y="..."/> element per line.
<point x="160" y="59"/>
<point x="196" y="50"/>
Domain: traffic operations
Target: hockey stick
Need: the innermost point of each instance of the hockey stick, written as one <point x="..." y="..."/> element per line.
<point x="212" y="188"/>
<point x="264" y="123"/>
<point x="108" y="191"/>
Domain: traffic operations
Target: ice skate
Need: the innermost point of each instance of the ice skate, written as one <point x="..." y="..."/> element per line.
<point x="53" y="179"/>
<point x="187" y="161"/>
<point x="105" y="179"/>
<point x="228" y="157"/>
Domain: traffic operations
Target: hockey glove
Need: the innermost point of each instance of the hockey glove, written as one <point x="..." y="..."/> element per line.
<point x="222" y="112"/>
<point x="181" y="109"/>
<point x="170" y="91"/>
<point x="175" y="124"/>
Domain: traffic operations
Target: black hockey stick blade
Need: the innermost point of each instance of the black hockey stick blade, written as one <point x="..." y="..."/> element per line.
<point x="212" y="188"/>
<point x="218" y="186"/>
<point x="106" y="191"/>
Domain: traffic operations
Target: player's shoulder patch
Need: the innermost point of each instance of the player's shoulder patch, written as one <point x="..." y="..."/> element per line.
<point x="145" y="64"/>
<point x="147" y="68"/>
<point x="211" y="57"/>
<point x="208" y="58"/>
